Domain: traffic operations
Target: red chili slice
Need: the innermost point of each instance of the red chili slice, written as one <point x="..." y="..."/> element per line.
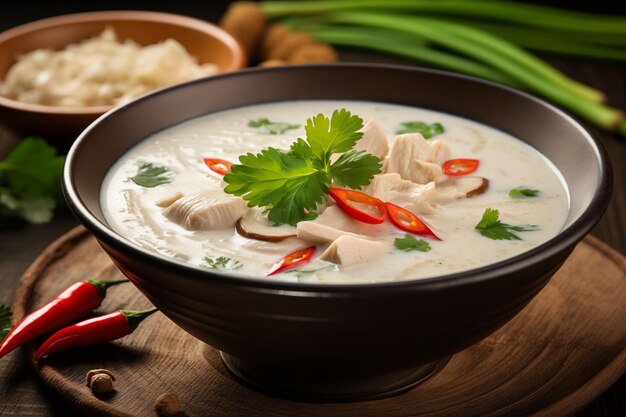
<point x="343" y="197"/>
<point x="407" y="221"/>
<point x="457" y="167"/>
<point x="219" y="166"/>
<point x="292" y="260"/>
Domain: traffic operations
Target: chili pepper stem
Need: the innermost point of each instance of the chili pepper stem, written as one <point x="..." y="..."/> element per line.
<point x="136" y="317"/>
<point x="102" y="286"/>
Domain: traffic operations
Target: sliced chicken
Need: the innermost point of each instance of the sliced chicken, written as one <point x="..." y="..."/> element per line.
<point x="392" y="188"/>
<point x="168" y="201"/>
<point x="441" y="151"/>
<point x="414" y="159"/>
<point x="349" y="251"/>
<point x="315" y="232"/>
<point x="206" y="210"/>
<point x="374" y="140"/>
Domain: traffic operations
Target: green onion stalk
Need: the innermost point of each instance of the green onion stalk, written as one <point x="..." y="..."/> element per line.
<point x="470" y="48"/>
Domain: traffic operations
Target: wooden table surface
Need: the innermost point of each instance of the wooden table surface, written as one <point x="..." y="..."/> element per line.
<point x="20" y="392"/>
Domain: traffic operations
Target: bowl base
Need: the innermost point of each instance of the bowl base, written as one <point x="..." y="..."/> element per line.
<point x="331" y="387"/>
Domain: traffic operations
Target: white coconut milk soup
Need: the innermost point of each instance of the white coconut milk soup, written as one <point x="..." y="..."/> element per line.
<point x="164" y="196"/>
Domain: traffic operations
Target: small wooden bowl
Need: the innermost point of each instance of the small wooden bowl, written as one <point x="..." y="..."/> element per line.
<point x="61" y="125"/>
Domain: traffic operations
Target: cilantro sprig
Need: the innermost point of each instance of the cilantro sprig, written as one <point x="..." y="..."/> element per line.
<point x="5" y="321"/>
<point x="490" y="226"/>
<point x="522" y="192"/>
<point x="410" y="243"/>
<point x="150" y="176"/>
<point x="427" y="130"/>
<point x="30" y="181"/>
<point x="222" y="263"/>
<point x="290" y="184"/>
<point x="273" y="128"/>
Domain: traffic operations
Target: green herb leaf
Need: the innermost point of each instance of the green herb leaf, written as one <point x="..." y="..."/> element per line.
<point x="428" y="131"/>
<point x="410" y="243"/>
<point x="355" y="169"/>
<point x="300" y="273"/>
<point x="522" y="192"/>
<point x="490" y="226"/>
<point x="30" y="181"/>
<point x="273" y="128"/>
<point x="335" y="135"/>
<point x="6" y="316"/>
<point x="289" y="186"/>
<point x="150" y="176"/>
<point x="222" y="263"/>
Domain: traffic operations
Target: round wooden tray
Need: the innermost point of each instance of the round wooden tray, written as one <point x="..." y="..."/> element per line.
<point x="565" y="348"/>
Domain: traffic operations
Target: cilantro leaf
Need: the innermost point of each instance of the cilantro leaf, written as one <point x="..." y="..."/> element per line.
<point x="339" y="134"/>
<point x="301" y="273"/>
<point x="409" y="243"/>
<point x="490" y="226"/>
<point x="522" y="192"/>
<point x="289" y="186"/>
<point x="273" y="128"/>
<point x="6" y="316"/>
<point x="30" y="181"/>
<point x="355" y="168"/>
<point x="222" y="263"/>
<point x="428" y="131"/>
<point x="150" y="176"/>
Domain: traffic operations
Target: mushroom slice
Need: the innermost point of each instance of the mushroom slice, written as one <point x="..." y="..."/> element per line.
<point x="249" y="227"/>
<point x="463" y="187"/>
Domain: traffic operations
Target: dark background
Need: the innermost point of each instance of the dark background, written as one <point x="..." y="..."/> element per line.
<point x="20" y="392"/>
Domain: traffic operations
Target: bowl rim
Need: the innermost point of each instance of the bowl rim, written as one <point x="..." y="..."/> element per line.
<point x="239" y="60"/>
<point x="565" y="239"/>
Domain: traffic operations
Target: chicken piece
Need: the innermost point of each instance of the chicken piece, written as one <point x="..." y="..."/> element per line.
<point x="414" y="159"/>
<point x="206" y="210"/>
<point x="315" y="232"/>
<point x="374" y="140"/>
<point x="349" y="251"/>
<point x="441" y="151"/>
<point x="168" y="201"/>
<point x="392" y="188"/>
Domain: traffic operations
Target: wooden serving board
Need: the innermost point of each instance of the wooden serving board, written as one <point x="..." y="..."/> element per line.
<point x="562" y="351"/>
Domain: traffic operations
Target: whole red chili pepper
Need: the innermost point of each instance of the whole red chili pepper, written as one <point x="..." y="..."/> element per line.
<point x="75" y="302"/>
<point x="93" y="331"/>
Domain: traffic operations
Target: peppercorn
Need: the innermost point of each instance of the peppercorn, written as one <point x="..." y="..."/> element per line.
<point x="167" y="404"/>
<point x="100" y="380"/>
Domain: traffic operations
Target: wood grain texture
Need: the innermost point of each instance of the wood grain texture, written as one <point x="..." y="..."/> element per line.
<point x="563" y="350"/>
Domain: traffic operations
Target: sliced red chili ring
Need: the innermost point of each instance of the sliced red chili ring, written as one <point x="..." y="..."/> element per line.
<point x="343" y="197"/>
<point x="299" y="257"/>
<point x="407" y="221"/>
<point x="219" y="166"/>
<point x="457" y="167"/>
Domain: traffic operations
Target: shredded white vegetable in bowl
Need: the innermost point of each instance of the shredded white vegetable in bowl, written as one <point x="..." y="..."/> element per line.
<point x="99" y="71"/>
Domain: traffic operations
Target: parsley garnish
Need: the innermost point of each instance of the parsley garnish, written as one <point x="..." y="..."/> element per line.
<point x="409" y="243"/>
<point x="273" y="128"/>
<point x="490" y="226"/>
<point x="150" y="176"/>
<point x="303" y="272"/>
<point x="5" y="321"/>
<point x="222" y="263"/>
<point x="30" y="181"/>
<point x="428" y="131"/>
<point x="291" y="184"/>
<point x="521" y="192"/>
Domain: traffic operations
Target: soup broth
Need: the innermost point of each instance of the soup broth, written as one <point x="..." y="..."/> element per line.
<point x="136" y="209"/>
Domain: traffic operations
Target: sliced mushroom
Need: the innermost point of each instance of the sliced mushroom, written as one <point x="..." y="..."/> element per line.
<point x="252" y="228"/>
<point x="463" y="187"/>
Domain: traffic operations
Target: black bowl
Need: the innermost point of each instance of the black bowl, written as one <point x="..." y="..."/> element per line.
<point x="341" y="342"/>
